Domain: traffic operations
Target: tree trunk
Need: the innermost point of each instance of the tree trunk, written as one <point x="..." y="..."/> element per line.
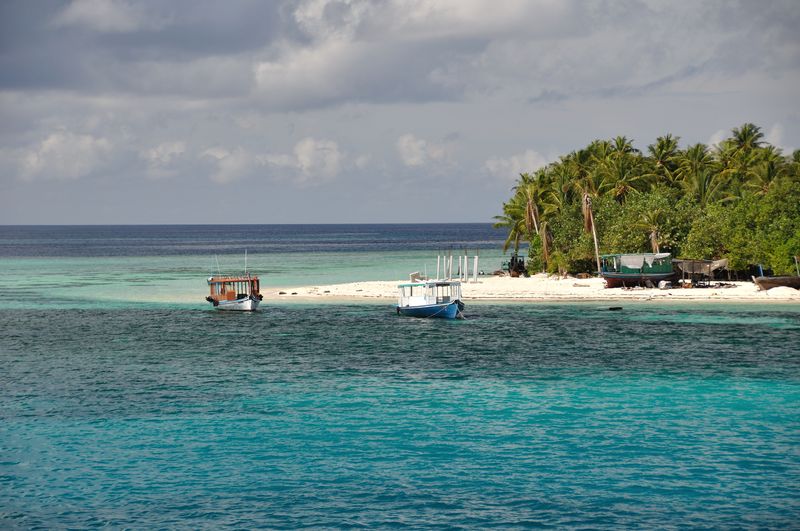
<point x="596" y="249"/>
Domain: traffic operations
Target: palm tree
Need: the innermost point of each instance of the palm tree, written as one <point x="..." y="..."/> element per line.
<point x="699" y="177"/>
<point x="538" y="197"/>
<point x="600" y="150"/>
<point x="707" y="187"/>
<point x="623" y="175"/>
<point x="558" y="187"/>
<point x="622" y="146"/>
<point x="652" y="221"/>
<point x="512" y="220"/>
<point x="747" y="137"/>
<point x="663" y="155"/>
<point x="588" y="225"/>
<point x="763" y="174"/>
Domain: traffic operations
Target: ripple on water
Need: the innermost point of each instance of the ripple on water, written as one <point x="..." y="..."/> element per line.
<point x="524" y="415"/>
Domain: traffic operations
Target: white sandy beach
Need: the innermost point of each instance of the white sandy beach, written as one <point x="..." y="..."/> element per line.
<point x="542" y="288"/>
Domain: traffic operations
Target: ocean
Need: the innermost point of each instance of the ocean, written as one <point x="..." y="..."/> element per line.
<point x="127" y="402"/>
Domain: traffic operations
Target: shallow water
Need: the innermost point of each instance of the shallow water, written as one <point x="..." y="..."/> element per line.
<point x="152" y="414"/>
<point x="90" y="267"/>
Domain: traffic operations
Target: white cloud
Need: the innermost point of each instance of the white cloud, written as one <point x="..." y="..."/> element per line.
<point x="318" y="158"/>
<point x="314" y="74"/>
<point x="331" y="18"/>
<point x="362" y="161"/>
<point x="412" y="150"/>
<point x="62" y="155"/>
<point x="775" y="136"/>
<point x="717" y="137"/>
<point x="311" y="161"/>
<point x="110" y="16"/>
<point x="230" y="164"/>
<point x="415" y="151"/>
<point x="162" y="159"/>
<point x="510" y="168"/>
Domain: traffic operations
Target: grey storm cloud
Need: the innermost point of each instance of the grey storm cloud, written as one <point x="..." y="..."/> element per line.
<point x="311" y="100"/>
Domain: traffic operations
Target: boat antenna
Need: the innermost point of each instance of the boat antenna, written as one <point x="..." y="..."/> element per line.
<point x="217" y="259"/>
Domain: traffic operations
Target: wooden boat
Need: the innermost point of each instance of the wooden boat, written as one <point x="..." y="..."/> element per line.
<point x="430" y="298"/>
<point x="765" y="283"/>
<point x="234" y="293"/>
<point x="620" y="270"/>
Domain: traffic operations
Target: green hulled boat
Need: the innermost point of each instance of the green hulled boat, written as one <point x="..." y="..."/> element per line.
<point x="620" y="270"/>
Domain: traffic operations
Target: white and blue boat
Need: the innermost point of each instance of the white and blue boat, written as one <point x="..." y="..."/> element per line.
<point x="430" y="298"/>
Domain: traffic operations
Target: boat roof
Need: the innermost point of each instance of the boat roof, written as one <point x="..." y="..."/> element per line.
<point x="430" y="283"/>
<point x="233" y="279"/>
<point x="657" y="256"/>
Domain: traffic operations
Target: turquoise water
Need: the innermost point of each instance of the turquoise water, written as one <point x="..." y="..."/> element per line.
<point x="70" y="282"/>
<point x="119" y="412"/>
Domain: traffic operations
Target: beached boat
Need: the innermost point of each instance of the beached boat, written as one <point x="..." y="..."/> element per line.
<point x="765" y="283"/>
<point x="621" y="270"/>
<point x="234" y="293"/>
<point x="430" y="298"/>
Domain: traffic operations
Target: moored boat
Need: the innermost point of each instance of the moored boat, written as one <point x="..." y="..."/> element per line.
<point x="430" y="298"/>
<point x="235" y="293"/>
<point x="620" y="270"/>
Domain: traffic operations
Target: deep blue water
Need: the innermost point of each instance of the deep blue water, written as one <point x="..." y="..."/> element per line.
<point x="207" y="240"/>
<point x="345" y="415"/>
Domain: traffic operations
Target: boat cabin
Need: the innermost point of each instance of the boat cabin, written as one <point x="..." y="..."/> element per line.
<point x="636" y="264"/>
<point x="428" y="293"/>
<point x="233" y="288"/>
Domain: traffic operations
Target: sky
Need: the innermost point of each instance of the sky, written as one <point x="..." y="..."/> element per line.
<point x="355" y="111"/>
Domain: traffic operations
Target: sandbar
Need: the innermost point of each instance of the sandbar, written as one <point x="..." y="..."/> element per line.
<point x="542" y="287"/>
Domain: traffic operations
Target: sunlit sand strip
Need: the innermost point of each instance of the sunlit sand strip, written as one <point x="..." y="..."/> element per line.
<point x="542" y="288"/>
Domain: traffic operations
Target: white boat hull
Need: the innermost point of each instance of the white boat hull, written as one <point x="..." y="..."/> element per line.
<point x="241" y="305"/>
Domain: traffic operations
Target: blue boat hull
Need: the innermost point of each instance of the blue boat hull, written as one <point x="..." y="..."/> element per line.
<point x="449" y="310"/>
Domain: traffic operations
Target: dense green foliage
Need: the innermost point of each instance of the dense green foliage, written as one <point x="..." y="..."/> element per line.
<point x="738" y="200"/>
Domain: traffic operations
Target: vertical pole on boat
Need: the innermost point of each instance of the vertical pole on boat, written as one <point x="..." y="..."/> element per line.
<point x="218" y="270"/>
<point x="437" y="266"/>
<point x="245" y="261"/>
<point x="459" y="267"/>
<point x="466" y="267"/>
<point x="475" y="269"/>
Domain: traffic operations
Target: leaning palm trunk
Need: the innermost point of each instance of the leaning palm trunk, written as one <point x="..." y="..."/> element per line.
<point x="531" y="216"/>
<point x="588" y="225"/>
<point x="545" y="245"/>
<point x="654" y="241"/>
